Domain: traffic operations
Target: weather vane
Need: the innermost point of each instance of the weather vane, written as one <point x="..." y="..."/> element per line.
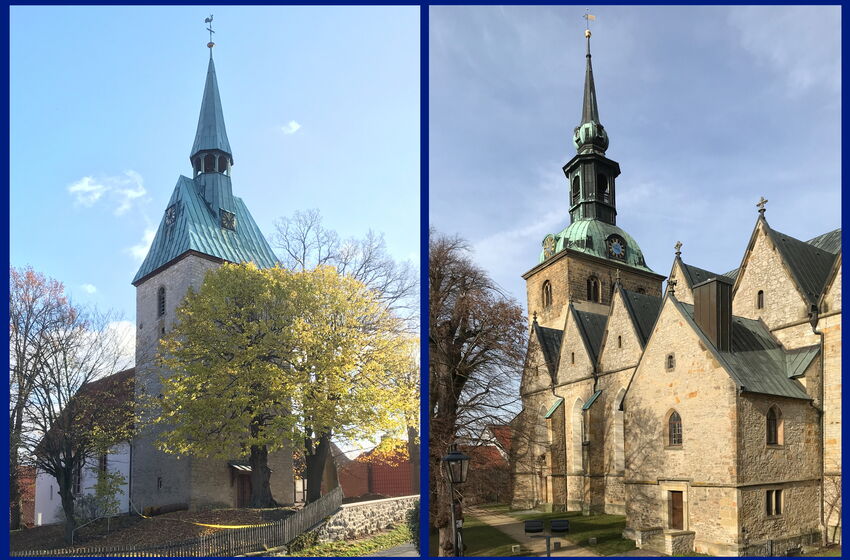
<point x="588" y="17"/>
<point x="209" y="21"/>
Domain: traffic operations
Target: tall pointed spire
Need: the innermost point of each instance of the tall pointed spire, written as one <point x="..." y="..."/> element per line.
<point x="589" y="110"/>
<point x="211" y="133"/>
<point x="590" y="135"/>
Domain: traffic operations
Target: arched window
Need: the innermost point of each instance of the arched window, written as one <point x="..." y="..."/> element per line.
<point x="577" y="428"/>
<point x="641" y="291"/>
<point x="619" y="432"/>
<point x="547" y="294"/>
<point x="760" y="299"/>
<point x="670" y="362"/>
<point x="209" y="163"/>
<point x="160" y="302"/>
<point x="774" y="426"/>
<point x="197" y="165"/>
<point x="222" y="164"/>
<point x="593" y="289"/>
<point x="674" y="430"/>
<point x="601" y="187"/>
<point x="576" y="190"/>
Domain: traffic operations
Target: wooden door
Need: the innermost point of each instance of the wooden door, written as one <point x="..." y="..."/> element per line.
<point x="243" y="490"/>
<point x="676" y="510"/>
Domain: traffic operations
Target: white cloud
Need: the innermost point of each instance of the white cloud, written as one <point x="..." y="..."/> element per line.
<point x="87" y="191"/>
<point x="89" y="288"/>
<point x="122" y="191"/>
<point x="140" y="250"/>
<point x="290" y="128"/>
<point x="125" y="338"/>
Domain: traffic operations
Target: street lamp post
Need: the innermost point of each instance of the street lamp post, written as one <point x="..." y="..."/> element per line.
<point x="457" y="467"/>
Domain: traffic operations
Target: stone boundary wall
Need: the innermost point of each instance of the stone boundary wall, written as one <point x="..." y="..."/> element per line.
<point x="359" y="519"/>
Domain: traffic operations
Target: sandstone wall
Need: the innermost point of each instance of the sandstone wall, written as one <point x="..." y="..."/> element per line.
<point x="765" y="270"/>
<point x="365" y="518"/>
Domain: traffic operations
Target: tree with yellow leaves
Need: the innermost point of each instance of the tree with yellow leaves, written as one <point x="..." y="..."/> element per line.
<point x="264" y="357"/>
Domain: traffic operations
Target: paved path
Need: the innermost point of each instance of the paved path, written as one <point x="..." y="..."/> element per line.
<point x="401" y="550"/>
<point x="515" y="529"/>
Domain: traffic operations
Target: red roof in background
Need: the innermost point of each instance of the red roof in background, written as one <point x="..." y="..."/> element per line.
<point x="504" y="435"/>
<point x="484" y="456"/>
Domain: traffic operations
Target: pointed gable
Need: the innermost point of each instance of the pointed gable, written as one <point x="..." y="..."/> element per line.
<point x="591" y="326"/>
<point x="643" y="310"/>
<point x="550" y="345"/>
<point x="809" y="265"/>
<point x="190" y="225"/>
<point x="757" y="362"/>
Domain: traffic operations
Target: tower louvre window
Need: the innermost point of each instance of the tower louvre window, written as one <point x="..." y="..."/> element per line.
<point x="602" y="187"/>
<point x="593" y="289"/>
<point x="547" y="294"/>
<point x="222" y="164"/>
<point x="576" y="190"/>
<point x="160" y="302"/>
<point x="209" y="163"/>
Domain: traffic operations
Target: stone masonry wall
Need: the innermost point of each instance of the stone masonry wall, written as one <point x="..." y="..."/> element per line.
<point x="365" y="518"/>
<point x="701" y="391"/>
<point x="765" y="270"/>
<point x="158" y="478"/>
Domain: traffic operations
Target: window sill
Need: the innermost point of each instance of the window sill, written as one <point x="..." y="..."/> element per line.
<point x="778" y="516"/>
<point x="775" y="446"/>
<point x="672" y="447"/>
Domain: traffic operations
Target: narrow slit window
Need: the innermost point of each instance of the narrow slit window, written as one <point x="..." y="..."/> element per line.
<point x="160" y="302"/>
<point x="760" y="299"/>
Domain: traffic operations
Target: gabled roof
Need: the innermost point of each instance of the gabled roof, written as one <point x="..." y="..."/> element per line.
<point x="809" y="265"/>
<point x="694" y="275"/>
<point x="643" y="310"/>
<point x="591" y="326"/>
<point x="211" y="134"/>
<point x="829" y="241"/>
<point x="550" y="345"/>
<point x="757" y="362"/>
<point x="197" y="228"/>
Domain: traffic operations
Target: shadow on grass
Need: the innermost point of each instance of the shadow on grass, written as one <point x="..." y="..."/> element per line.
<point x="607" y="528"/>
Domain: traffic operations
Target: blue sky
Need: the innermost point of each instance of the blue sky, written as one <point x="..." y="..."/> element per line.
<point x="321" y="106"/>
<point x="706" y="108"/>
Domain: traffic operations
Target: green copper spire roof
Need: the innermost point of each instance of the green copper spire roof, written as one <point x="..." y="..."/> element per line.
<point x="189" y="225"/>
<point x="593" y="236"/>
<point x="211" y="134"/>
<point x="590" y="134"/>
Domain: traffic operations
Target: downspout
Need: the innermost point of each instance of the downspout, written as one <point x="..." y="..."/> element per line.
<point x="813" y="319"/>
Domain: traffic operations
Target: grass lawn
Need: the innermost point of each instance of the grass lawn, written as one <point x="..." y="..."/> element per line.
<point x="608" y="530"/>
<point x="361" y="547"/>
<point x="481" y="540"/>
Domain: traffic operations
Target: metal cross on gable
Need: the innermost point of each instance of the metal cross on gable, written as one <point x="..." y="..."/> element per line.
<point x="678" y="247"/>
<point x="762" y="201"/>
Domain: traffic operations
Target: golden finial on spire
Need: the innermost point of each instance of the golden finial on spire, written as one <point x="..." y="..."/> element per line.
<point x="209" y="21"/>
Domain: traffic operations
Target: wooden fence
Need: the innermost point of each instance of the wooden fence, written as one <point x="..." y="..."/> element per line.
<point x="227" y="542"/>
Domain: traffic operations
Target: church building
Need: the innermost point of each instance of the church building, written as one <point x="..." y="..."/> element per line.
<point x="203" y="226"/>
<point x="708" y="413"/>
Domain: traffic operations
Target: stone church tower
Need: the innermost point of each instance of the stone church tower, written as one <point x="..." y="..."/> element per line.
<point x="203" y="225"/>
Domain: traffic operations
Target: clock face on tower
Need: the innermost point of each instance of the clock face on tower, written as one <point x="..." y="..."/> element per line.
<point x="549" y="246"/>
<point x="616" y="247"/>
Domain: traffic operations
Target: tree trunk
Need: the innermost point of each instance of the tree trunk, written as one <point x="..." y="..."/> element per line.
<point x="261" y="491"/>
<point x="14" y="473"/>
<point x="67" y="505"/>
<point x="330" y="477"/>
<point x="315" y="457"/>
<point x="413" y="453"/>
